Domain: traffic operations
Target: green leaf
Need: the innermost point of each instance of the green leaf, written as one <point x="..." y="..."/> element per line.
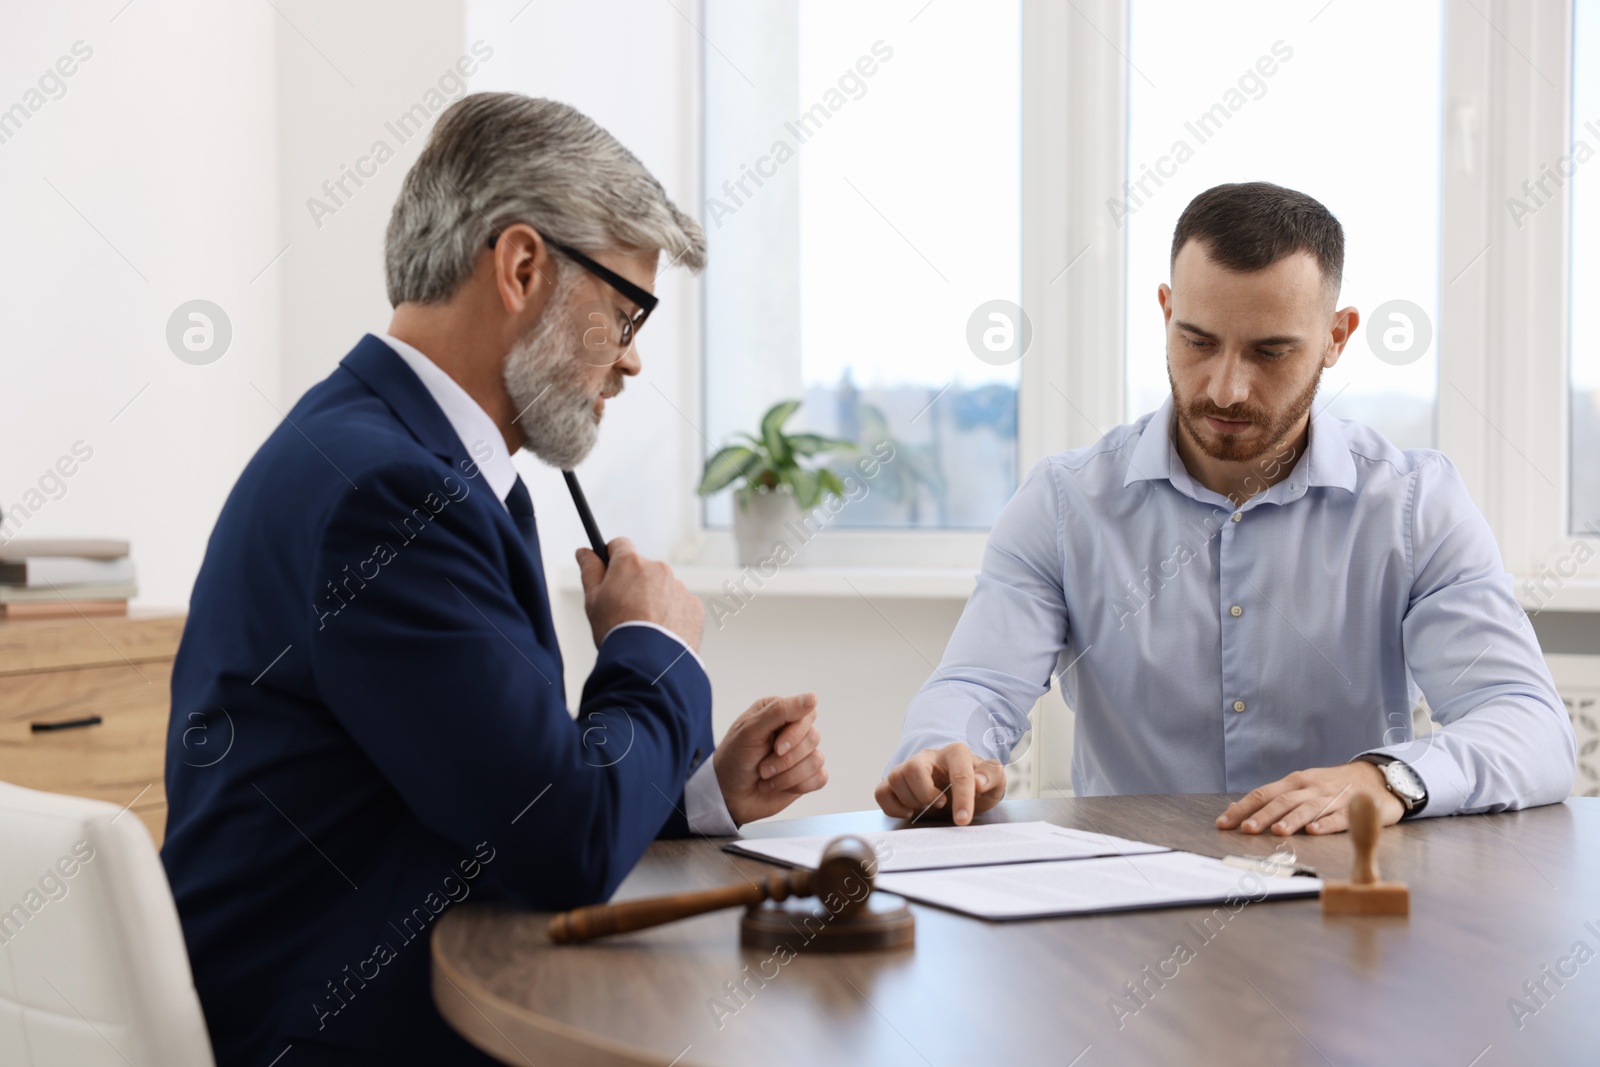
<point x="777" y="415"/>
<point x="765" y="475"/>
<point x="735" y="461"/>
<point x="810" y="444"/>
<point x="806" y="485"/>
<point x="782" y="455"/>
<point x="772" y="432"/>
<point x="830" y="483"/>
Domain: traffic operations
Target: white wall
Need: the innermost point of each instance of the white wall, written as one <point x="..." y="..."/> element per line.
<point x="149" y="183"/>
<point x="344" y="71"/>
<point x="192" y="140"/>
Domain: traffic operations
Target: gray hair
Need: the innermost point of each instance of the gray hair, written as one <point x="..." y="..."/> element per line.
<point x="495" y="159"/>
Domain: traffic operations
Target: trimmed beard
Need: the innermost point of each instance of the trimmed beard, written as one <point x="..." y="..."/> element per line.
<point x="1227" y="448"/>
<point x="545" y="378"/>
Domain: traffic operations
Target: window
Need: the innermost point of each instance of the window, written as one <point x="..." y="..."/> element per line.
<point x="1421" y="136"/>
<point x="1255" y="92"/>
<point x="863" y="211"/>
<point x="1584" y="517"/>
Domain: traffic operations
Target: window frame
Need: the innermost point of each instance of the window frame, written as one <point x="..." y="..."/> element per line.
<point x="1506" y="108"/>
<point x="1508" y="71"/>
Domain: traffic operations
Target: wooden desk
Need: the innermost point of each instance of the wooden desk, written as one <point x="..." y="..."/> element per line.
<point x="117" y="667"/>
<point x="1495" y="898"/>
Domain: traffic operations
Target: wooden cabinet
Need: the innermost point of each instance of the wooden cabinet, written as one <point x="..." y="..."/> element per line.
<point x="118" y="668"/>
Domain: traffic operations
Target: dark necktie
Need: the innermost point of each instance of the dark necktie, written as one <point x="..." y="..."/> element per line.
<point x="520" y="505"/>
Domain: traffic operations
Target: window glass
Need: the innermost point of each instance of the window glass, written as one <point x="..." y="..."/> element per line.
<point x="1585" y="183"/>
<point x="862" y="205"/>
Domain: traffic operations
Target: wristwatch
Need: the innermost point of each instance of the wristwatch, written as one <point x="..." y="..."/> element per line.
<point x="1402" y="781"/>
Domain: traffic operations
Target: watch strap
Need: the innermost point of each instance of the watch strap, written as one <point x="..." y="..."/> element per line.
<point x="1381" y="760"/>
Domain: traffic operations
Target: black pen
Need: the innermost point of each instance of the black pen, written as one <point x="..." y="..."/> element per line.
<point x="66" y="724"/>
<point x="596" y="542"/>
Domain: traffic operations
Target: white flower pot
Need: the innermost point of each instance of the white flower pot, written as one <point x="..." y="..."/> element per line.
<point x="762" y="519"/>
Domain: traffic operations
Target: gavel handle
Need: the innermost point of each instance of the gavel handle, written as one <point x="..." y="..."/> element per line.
<point x="601" y="920"/>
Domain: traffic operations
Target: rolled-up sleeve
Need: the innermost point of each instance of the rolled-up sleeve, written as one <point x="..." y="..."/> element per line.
<point x="1505" y="739"/>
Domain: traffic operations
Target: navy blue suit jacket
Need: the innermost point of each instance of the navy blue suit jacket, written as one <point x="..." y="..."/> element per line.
<point x="369" y="725"/>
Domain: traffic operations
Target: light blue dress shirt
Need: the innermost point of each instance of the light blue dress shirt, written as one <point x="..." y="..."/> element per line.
<point x="1208" y="648"/>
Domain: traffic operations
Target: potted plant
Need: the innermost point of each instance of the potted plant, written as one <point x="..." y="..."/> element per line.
<point x="778" y="479"/>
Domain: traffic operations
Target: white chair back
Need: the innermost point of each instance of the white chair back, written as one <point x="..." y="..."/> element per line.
<point x="93" y="968"/>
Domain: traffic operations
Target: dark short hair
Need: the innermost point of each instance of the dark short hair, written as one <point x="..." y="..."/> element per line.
<point x="1249" y="226"/>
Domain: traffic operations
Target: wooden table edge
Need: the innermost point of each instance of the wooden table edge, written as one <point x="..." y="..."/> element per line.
<point x="467" y="1013"/>
<point x="484" y="1019"/>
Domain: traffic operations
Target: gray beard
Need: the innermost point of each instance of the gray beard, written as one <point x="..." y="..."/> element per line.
<point x="544" y="376"/>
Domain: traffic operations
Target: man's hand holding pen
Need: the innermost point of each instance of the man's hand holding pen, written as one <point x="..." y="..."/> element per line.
<point x="771" y="754"/>
<point x="636" y="589"/>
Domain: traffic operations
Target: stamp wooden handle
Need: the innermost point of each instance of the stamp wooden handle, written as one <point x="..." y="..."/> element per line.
<point x="1364" y="835"/>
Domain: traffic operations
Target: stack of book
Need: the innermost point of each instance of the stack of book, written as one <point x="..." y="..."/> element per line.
<point x="62" y="577"/>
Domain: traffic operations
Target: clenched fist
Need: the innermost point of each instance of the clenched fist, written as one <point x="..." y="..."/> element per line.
<point x="769" y="756"/>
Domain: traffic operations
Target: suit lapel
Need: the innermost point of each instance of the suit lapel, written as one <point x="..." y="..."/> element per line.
<point x="387" y="375"/>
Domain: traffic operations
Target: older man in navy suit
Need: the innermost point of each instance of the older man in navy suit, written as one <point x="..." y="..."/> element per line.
<point x="368" y="712"/>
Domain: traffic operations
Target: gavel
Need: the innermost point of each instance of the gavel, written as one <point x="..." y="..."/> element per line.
<point x="842" y="881"/>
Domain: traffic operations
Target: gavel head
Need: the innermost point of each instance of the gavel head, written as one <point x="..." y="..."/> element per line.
<point x="845" y="875"/>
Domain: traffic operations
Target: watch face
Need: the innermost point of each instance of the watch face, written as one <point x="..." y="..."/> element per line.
<point x="1404" y="780"/>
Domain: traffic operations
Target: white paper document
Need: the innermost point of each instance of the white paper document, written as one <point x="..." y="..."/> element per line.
<point x="930" y="847"/>
<point x="1084" y="886"/>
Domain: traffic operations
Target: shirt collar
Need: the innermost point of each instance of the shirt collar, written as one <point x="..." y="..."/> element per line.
<point x="478" y="433"/>
<point x="1153" y="456"/>
<point x="1327" y="461"/>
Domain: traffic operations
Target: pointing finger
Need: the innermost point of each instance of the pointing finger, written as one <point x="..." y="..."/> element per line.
<point x="958" y="765"/>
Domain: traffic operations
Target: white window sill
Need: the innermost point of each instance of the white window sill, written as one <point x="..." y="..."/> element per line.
<point x="924" y="583"/>
<point x="956" y="583"/>
<point x="1556" y="594"/>
<point x="914" y="583"/>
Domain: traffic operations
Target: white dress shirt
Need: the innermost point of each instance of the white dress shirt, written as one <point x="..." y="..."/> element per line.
<point x="704" y="806"/>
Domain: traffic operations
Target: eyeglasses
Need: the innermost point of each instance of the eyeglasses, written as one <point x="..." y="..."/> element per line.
<point x="644" y="300"/>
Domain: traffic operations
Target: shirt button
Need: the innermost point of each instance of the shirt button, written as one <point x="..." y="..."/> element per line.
<point x="1237" y="515"/>
<point x="1238" y="705"/>
<point x="1236" y="611"/>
